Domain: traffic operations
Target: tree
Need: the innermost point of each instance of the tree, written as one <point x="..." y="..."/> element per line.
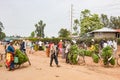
<point x="40" y="29"/>
<point x="105" y="20"/>
<point x="32" y="34"/>
<point x="2" y="35"/>
<point x="75" y="27"/>
<point x="89" y="22"/>
<point x="114" y="22"/>
<point x="64" y="33"/>
<point x="1" y="26"/>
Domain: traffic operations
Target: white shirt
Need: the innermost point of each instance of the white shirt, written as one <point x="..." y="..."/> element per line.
<point x="105" y="45"/>
<point x="40" y="43"/>
<point x="114" y="45"/>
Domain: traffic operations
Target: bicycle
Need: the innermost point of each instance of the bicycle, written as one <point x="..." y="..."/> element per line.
<point x="118" y="60"/>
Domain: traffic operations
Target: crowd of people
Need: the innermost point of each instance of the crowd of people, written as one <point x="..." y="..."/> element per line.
<point x="53" y="50"/>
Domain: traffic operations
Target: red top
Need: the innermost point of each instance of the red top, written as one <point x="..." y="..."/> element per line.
<point x="60" y="44"/>
<point x="50" y="45"/>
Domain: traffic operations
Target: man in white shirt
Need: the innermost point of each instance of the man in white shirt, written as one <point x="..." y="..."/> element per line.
<point x="40" y="45"/>
<point x="114" y="48"/>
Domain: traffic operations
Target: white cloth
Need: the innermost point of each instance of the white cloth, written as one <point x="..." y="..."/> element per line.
<point x="105" y="45"/>
<point x="114" y="45"/>
<point x="40" y="43"/>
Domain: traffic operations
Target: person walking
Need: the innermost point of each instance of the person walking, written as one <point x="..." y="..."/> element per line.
<point x="60" y="47"/>
<point x="114" y="48"/>
<point x="67" y="49"/>
<point x="53" y="54"/>
<point x="47" y="49"/>
<point x="23" y="46"/>
<point x="40" y="45"/>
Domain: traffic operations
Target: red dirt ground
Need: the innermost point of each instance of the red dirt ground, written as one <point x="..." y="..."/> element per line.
<point x="40" y="70"/>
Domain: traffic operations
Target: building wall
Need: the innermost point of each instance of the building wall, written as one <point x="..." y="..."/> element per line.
<point x="104" y="35"/>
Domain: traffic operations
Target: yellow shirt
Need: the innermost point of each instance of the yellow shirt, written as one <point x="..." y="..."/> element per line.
<point x="92" y="48"/>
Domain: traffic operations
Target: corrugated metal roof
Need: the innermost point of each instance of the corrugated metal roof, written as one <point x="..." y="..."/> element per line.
<point x="105" y="30"/>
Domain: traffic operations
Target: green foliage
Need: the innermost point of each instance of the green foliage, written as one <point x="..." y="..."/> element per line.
<point x="40" y="29"/>
<point x="64" y="33"/>
<point x="55" y="40"/>
<point x="74" y="49"/>
<point x="33" y="39"/>
<point x="95" y="58"/>
<point x="2" y="35"/>
<point x="104" y="20"/>
<point x="112" y="61"/>
<point x="81" y="51"/>
<point x="114" y="22"/>
<point x="72" y="56"/>
<point x="1" y="26"/>
<point x="36" y="47"/>
<point x="75" y="27"/>
<point x="89" y="22"/>
<point x="88" y="53"/>
<point x="32" y="34"/>
<point x="106" y="54"/>
<point x="21" y="56"/>
<point x="96" y="48"/>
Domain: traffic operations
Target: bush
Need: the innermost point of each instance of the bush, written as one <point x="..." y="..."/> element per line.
<point x="55" y="40"/>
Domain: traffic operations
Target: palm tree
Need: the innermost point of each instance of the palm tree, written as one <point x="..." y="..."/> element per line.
<point x="40" y="29"/>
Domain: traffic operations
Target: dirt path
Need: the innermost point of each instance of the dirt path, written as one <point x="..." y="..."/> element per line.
<point x="40" y="70"/>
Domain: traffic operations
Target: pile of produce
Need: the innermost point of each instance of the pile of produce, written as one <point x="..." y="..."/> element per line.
<point x="95" y="58"/>
<point x="21" y="56"/>
<point x="106" y="55"/>
<point x="88" y="53"/>
<point x="72" y="55"/>
<point x="75" y="51"/>
<point x="96" y="48"/>
<point x="36" y="47"/>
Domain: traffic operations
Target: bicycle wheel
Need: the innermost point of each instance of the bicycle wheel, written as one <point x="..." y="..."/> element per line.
<point x="118" y="61"/>
<point x="16" y="66"/>
<point x="81" y="59"/>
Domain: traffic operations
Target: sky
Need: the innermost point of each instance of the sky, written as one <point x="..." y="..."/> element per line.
<point x="20" y="16"/>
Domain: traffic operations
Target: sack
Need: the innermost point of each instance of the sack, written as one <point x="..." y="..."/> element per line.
<point x="15" y="59"/>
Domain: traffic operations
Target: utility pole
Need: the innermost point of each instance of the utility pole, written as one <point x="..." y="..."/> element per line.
<point x="71" y="18"/>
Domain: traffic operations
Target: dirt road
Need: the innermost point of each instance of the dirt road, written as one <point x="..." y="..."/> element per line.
<point x="40" y="70"/>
